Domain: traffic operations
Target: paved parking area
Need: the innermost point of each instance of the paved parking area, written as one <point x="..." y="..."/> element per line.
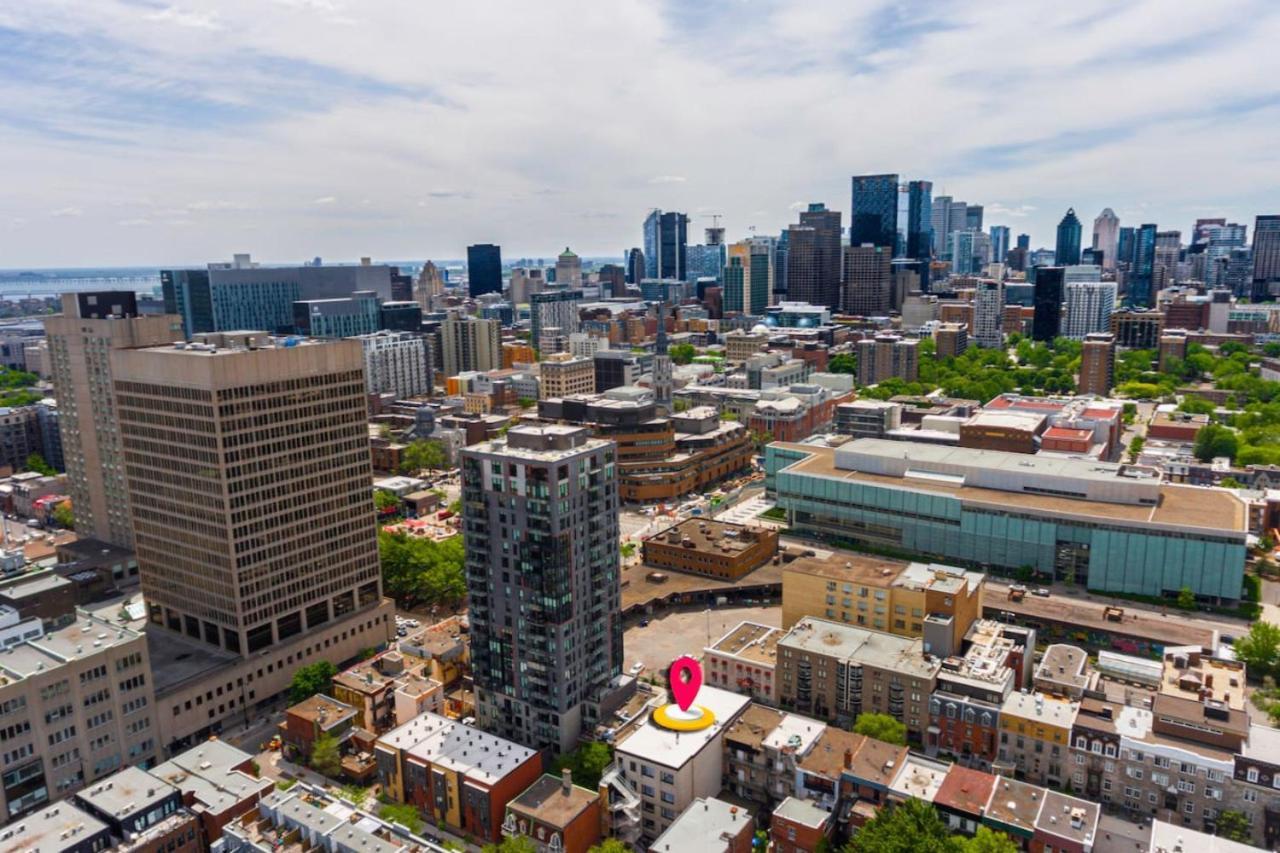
<point x="685" y="632"/>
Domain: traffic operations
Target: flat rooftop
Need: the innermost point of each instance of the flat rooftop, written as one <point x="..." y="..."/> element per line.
<point x="920" y="778"/>
<point x="126" y="792"/>
<point x="54" y="829"/>
<point x="81" y="640"/>
<point x="547" y="801"/>
<point x="481" y="757"/>
<point x="751" y="641"/>
<point x="753" y="726"/>
<point x="322" y="710"/>
<point x="208" y="773"/>
<point x="803" y="812"/>
<point x="965" y="790"/>
<point x="1041" y="708"/>
<point x="1016" y="804"/>
<point x="1178" y="507"/>
<point x="886" y="651"/>
<point x="656" y="745"/>
<point x="708" y="824"/>
<point x="795" y="735"/>
<point x="708" y="535"/>
<point x="640" y="587"/>
<point x="849" y="567"/>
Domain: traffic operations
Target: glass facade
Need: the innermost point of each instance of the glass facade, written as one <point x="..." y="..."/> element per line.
<point x="874" y="206"/>
<point x="1103" y="556"/>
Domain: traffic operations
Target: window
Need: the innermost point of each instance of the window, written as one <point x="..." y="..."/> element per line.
<point x="1186" y="787"/>
<point x="1252" y="774"/>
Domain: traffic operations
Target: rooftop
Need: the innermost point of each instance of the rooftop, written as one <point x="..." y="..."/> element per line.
<point x="208" y="773"/>
<point x="1191" y="673"/>
<point x="323" y="711"/>
<point x="1007" y="419"/>
<point x="657" y="745"/>
<point x="804" y="812"/>
<point x="84" y="638"/>
<point x="795" y="734"/>
<point x="965" y="790"/>
<point x="548" y="801"/>
<point x="708" y="825"/>
<point x="481" y="757"/>
<point x="939" y="578"/>
<point x="126" y="792"/>
<point x="1064" y="664"/>
<point x="1041" y="708"/>
<point x="754" y="726"/>
<point x="55" y="829"/>
<point x="751" y="641"/>
<point x="920" y="778"/>
<point x="850" y="568"/>
<point x="1016" y="804"/>
<point x="827" y="757"/>
<point x="1068" y="817"/>
<point x="708" y="535"/>
<point x="1176" y="838"/>
<point x="901" y="654"/>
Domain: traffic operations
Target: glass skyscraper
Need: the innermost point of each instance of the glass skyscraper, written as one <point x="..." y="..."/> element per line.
<point x="484" y="269"/>
<point x="1067" y="251"/>
<point x="874" y="210"/>
<point x="920" y="222"/>
<point x="1144" y="257"/>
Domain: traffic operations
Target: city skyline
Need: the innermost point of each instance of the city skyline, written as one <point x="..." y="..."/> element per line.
<point x="158" y="134"/>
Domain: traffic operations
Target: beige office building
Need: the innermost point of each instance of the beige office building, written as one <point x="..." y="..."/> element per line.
<point x="247" y="460"/>
<point x="81" y="339"/>
<point x="563" y="374"/>
<point x="469" y="343"/>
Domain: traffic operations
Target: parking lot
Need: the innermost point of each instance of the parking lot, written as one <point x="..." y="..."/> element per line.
<point x="685" y="632"/>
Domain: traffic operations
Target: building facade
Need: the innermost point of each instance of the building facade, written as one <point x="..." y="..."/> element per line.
<point x="395" y="363"/>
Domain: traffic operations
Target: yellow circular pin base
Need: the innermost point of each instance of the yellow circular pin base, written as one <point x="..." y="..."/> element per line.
<point x="671" y="717"/>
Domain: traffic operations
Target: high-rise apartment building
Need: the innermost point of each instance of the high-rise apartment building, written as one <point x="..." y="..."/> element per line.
<point x="1097" y="364"/>
<point x="540" y="522"/>
<point x="81" y="340"/>
<point x="1266" y="258"/>
<point x="950" y="339"/>
<point x="999" y="243"/>
<point x="1139" y="282"/>
<point x="1164" y="267"/>
<point x="1046" y="324"/>
<point x="867" y="279"/>
<point x="887" y="356"/>
<point x="395" y="363"/>
<point x="1106" y="237"/>
<point x="228" y="442"/>
<point x="469" y="343"/>
<point x="1067" y="251"/>
<point x="706" y="261"/>
<point x="569" y="269"/>
<point x="988" y="311"/>
<point x="1089" y="308"/>
<point x="873" y="216"/>
<point x="554" y="309"/>
<point x="484" y="269"/>
<point x="964" y="255"/>
<point x="666" y="237"/>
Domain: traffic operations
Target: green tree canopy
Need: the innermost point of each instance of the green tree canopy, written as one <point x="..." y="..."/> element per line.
<point x="512" y="844"/>
<point x="326" y="759"/>
<point x="384" y="500"/>
<point x="587" y="763"/>
<point x="681" y="353"/>
<point x="422" y="454"/>
<point x="1260" y="649"/>
<point x="881" y="727"/>
<point x="1186" y="599"/>
<point x="1214" y="440"/>
<point x="417" y="570"/>
<point x="610" y="845"/>
<point x="911" y="827"/>
<point x="311" y="679"/>
<point x="405" y="814"/>
<point x="63" y="516"/>
<point x="36" y="462"/>
<point x="1233" y="825"/>
<point x="987" y="840"/>
<point x="845" y="362"/>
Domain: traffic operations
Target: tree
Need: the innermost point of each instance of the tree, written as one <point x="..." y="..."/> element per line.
<point x="845" y="362"/>
<point x="405" y="814"/>
<point x="1260" y="649"/>
<point x="421" y="454"/>
<point x="385" y="501"/>
<point x="357" y="795"/>
<point x="422" y="571"/>
<point x="881" y="727"/>
<point x="325" y="757"/>
<point x="1233" y="825"/>
<point x="311" y="679"/>
<point x="610" y="845"/>
<point x="681" y="353"/>
<point x="1135" y="447"/>
<point x="987" y="840"/>
<point x="1214" y="440"/>
<point x="526" y="402"/>
<point x="1186" y="599"/>
<point x="36" y="462"/>
<point x="587" y="763"/>
<point x="911" y="827"/>
<point x="63" y="516"/>
<point x="512" y="844"/>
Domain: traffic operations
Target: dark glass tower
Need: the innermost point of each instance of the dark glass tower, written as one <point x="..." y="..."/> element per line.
<point x="1124" y="246"/>
<point x="919" y="220"/>
<point x="484" y="268"/>
<point x="1266" y="258"/>
<point x="1049" y="289"/>
<point x="1144" y="260"/>
<point x="874" y="216"/>
<point x="813" y="258"/>
<point x="673" y="243"/>
<point x="1067" y="251"/>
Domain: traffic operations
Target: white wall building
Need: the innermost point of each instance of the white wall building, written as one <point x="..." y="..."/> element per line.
<point x="1089" y="307"/>
<point x="395" y="362"/>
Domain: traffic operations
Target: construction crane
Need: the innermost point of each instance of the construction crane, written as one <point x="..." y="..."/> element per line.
<point x="715" y="234"/>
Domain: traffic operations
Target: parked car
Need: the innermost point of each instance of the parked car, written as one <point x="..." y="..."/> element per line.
<point x="1040" y="591"/>
<point x="637" y="667"/>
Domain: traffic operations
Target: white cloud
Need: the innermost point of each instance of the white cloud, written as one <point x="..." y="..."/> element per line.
<point x="185" y="18"/>
<point x="667" y="179"/>
<point x="325" y="199"/>
<point x="133" y="223"/>
<point x="1018" y="211"/>
<point x="65" y="212"/>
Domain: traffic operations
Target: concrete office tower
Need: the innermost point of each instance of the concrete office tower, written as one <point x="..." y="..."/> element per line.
<point x="1046" y="324"/>
<point x="873" y="210"/>
<point x="1106" y="237"/>
<point x="569" y="269"/>
<point x="613" y="281"/>
<point x="1266" y="258"/>
<point x="1168" y="251"/>
<point x="887" y="356"/>
<point x="988" y="311"/>
<point x="813" y="258"/>
<point x="81" y="340"/>
<point x="484" y="269"/>
<point x="867" y="280"/>
<point x="525" y="283"/>
<point x="554" y="309"/>
<point x="248" y="467"/>
<point x="563" y="374"/>
<point x="430" y="283"/>
<point x="540" y="523"/>
<point x="395" y="363"/>
<point x="999" y="243"/>
<point x="1067" y="251"/>
<point x="469" y="343"/>
<point x="1097" y="364"/>
<point x="663" y="380"/>
<point x="1089" y="308"/>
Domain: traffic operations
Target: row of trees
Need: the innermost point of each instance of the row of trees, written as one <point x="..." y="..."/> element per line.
<point x="417" y="570"/>
<point x="981" y="374"/>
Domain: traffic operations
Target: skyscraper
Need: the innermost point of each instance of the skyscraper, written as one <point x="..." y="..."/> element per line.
<point x="735" y="281"/>
<point x="484" y="269"/>
<point x="1097" y="364"/>
<point x="1124" y="246"/>
<point x="1220" y="240"/>
<point x="652" y="244"/>
<point x="964" y="257"/>
<point x="1106" y="237"/>
<point x="873" y="214"/>
<point x="665" y="241"/>
<point x="636" y="266"/>
<point x="920" y="226"/>
<point x="973" y="217"/>
<point x="81" y="340"/>
<point x="988" y="311"/>
<point x="866" y="283"/>
<point x="1047" y="321"/>
<point x="949" y="216"/>
<point x="430" y="283"/>
<point x="1164" y="268"/>
<point x="705" y="261"/>
<point x="1144" y="257"/>
<point x="569" y="269"/>
<point x="227" y="442"/>
<point x="1067" y="251"/>
<point x="540" y="523"/>
<point x="469" y="343"/>
<point x="1024" y="241"/>
<point x="813" y="258"/>
<point x="1089" y="308"/>
<point x="613" y="281"/>
<point x="554" y="309"/>
<point x="999" y="243"/>
<point x="1266" y="258"/>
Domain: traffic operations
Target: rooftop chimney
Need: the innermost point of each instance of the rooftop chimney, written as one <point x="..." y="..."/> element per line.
<point x="566" y="781"/>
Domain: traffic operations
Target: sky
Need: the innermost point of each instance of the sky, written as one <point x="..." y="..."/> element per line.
<point x="149" y="132"/>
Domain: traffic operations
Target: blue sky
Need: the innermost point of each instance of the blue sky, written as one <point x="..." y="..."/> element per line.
<point x="144" y="131"/>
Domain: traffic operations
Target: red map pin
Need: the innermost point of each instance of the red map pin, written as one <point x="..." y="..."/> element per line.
<point x="685" y="680"/>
